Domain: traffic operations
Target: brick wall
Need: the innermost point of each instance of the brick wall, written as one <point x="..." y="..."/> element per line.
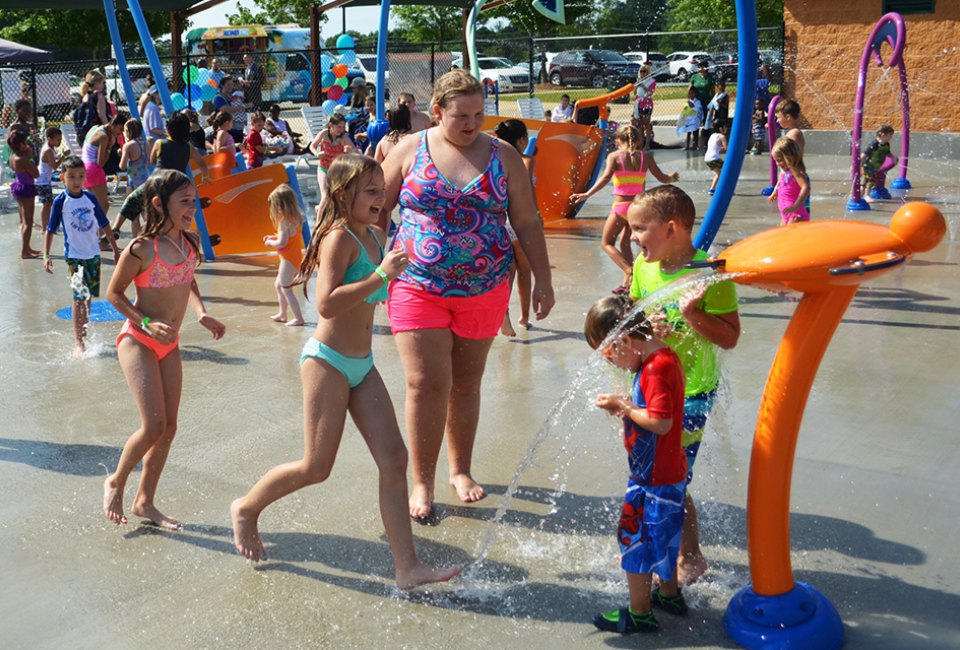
<point x="822" y="50"/>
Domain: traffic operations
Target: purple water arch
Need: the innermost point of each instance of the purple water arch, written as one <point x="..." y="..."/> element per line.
<point x="889" y="29"/>
<point x="773" y="127"/>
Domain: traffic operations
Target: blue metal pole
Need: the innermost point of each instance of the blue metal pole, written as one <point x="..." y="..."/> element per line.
<point x="740" y="130"/>
<point x="111" y="11"/>
<point x="147" y="40"/>
<point x="378" y="129"/>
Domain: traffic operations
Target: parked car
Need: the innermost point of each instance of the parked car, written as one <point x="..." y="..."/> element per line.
<point x="510" y="78"/>
<point x="657" y="60"/>
<point x="724" y="65"/>
<point x="682" y="63"/>
<point x="138" y="79"/>
<point x="368" y="65"/>
<point x="594" y="68"/>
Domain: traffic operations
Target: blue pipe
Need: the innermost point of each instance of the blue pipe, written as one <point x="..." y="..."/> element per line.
<point x="147" y="41"/>
<point x="110" y="10"/>
<point x="740" y="130"/>
<point x="378" y="128"/>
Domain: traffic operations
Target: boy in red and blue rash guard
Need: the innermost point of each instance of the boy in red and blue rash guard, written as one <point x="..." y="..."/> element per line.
<point x="651" y="522"/>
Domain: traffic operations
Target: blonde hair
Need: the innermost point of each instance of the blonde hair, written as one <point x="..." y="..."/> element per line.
<point x="284" y="207"/>
<point x="343" y="183"/>
<point x="789" y="150"/>
<point x="630" y="136"/>
<point x="89" y="81"/>
<point x="669" y="203"/>
<point x="615" y="313"/>
<point x="456" y="83"/>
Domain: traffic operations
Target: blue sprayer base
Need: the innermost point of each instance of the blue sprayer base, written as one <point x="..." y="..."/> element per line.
<point x="900" y="184"/>
<point x="880" y="194"/>
<point x="854" y="205"/>
<point x="801" y="619"/>
<point x="767" y="191"/>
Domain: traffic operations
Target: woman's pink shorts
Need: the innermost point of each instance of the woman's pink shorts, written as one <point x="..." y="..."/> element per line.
<point x="95" y="175"/>
<point x="475" y="317"/>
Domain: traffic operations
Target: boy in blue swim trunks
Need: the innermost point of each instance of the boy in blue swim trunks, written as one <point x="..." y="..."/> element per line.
<point x="651" y="522"/>
<point x="661" y="223"/>
<point x="78" y="212"/>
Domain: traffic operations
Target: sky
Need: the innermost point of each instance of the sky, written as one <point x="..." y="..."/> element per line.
<point x="361" y="19"/>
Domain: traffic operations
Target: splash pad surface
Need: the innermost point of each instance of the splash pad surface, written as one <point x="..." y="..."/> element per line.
<point x="874" y="496"/>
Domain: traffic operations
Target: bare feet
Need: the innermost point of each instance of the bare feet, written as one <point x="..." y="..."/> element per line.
<point x="690" y="568"/>
<point x="420" y="501"/>
<point x="278" y="318"/>
<point x="423" y="574"/>
<point x="30" y="255"/>
<point x="296" y="322"/>
<point x="246" y="537"/>
<point x="506" y="328"/>
<point x="113" y="501"/>
<point x="467" y="489"/>
<point x="524" y="322"/>
<point x="154" y="516"/>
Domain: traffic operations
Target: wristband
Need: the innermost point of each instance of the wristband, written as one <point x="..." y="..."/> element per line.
<point x="46" y="257"/>
<point x="383" y="275"/>
<point x="144" y="324"/>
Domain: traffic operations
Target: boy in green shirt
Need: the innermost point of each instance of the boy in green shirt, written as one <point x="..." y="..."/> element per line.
<point x="661" y="223"/>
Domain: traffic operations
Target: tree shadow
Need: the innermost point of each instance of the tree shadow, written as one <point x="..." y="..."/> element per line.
<point x="63" y="458"/>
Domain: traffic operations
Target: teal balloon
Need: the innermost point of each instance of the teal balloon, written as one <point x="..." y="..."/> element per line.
<point x="327" y="79"/>
<point x="195" y="92"/>
<point x="197" y="104"/>
<point x="348" y="58"/>
<point x="208" y="93"/>
<point x="179" y="101"/>
<point x="191" y="74"/>
<point x="345" y="42"/>
<point x="326" y="61"/>
<point x="328" y="106"/>
<point x="342" y="82"/>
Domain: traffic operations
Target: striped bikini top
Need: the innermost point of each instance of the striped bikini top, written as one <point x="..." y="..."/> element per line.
<point x="627" y="182"/>
<point x="161" y="275"/>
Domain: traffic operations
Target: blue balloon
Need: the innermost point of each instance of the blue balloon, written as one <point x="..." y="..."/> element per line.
<point x="204" y="76"/>
<point x="208" y="93"/>
<point x="328" y="106"/>
<point x="345" y="42"/>
<point x="327" y="79"/>
<point x="197" y="103"/>
<point x="179" y="101"/>
<point x="348" y="58"/>
<point x="326" y="61"/>
<point x="195" y="92"/>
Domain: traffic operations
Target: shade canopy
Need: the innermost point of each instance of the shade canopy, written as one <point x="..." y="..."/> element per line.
<point x="11" y="52"/>
<point x="146" y="5"/>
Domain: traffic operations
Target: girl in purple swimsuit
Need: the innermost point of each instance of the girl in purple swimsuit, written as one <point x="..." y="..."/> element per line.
<point x="457" y="189"/>
<point x="22" y="189"/>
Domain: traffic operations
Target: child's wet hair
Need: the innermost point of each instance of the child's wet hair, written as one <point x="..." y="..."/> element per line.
<point x="630" y="136"/>
<point x="72" y="162"/>
<point x="16" y="138"/>
<point x="52" y="132"/>
<point x="258" y="117"/>
<point x="162" y="184"/>
<point x="669" y="203"/>
<point x="615" y="313"/>
<point x="343" y="183"/>
<point x="21" y="104"/>
<point x="453" y="84"/>
<point x="398" y="120"/>
<point x="178" y="127"/>
<point x="886" y="129"/>
<point x="134" y="127"/>
<point x="336" y="118"/>
<point x="789" y="151"/>
<point x="720" y="123"/>
<point x="283" y="205"/>
<point x="511" y="131"/>
<point x="217" y="120"/>
<point x="788" y="107"/>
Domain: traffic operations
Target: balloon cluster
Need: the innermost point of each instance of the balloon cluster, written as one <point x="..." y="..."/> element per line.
<point x="333" y="73"/>
<point x="202" y="87"/>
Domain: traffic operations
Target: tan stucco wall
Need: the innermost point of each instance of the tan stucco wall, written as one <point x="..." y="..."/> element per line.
<point x="823" y="46"/>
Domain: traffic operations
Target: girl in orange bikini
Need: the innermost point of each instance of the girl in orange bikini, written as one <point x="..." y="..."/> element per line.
<point x="287" y="219"/>
<point x="160" y="264"/>
<point x="627" y="167"/>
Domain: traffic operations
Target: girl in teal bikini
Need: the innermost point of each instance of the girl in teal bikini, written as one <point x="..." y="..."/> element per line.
<point x="337" y="369"/>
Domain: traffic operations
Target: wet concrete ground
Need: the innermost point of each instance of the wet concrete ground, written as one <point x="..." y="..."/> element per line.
<point x="875" y="484"/>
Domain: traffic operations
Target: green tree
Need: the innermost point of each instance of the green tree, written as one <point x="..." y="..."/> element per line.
<point x="714" y="14"/>
<point x="525" y="18"/>
<point x="63" y="30"/>
<point x="275" y="12"/>
<point x="630" y="16"/>
<point x="426" y="24"/>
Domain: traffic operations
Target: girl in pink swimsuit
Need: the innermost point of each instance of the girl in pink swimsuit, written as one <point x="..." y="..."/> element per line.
<point x="793" y="186"/>
<point x="331" y="142"/>
<point x="627" y="167"/>
<point x="160" y="264"/>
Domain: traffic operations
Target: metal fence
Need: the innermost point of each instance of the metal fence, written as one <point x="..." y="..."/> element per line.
<point x="54" y="88"/>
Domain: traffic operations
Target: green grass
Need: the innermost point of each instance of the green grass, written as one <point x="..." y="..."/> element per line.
<point x="552" y="96"/>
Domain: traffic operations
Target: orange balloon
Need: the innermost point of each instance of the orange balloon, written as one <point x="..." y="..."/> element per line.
<point x="339" y="71"/>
